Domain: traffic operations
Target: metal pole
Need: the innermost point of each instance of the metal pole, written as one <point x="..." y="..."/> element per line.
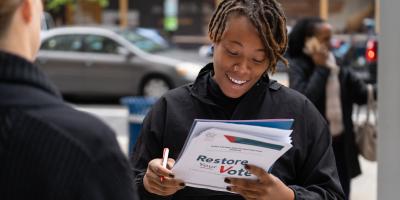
<point x="388" y="101"/>
<point x="324" y="9"/>
<point x="377" y="16"/>
<point x="123" y="13"/>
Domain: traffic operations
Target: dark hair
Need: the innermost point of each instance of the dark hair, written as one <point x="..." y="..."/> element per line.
<point x="303" y="29"/>
<point x="7" y="9"/>
<point x="268" y="18"/>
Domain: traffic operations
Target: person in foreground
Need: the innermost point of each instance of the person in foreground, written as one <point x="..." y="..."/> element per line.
<point x="48" y="150"/>
<point x="249" y="38"/>
<point x="333" y="90"/>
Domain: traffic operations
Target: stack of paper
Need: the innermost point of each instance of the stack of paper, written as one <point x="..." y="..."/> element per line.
<point x="216" y="149"/>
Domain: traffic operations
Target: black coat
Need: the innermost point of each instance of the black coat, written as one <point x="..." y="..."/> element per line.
<point x="311" y="80"/>
<point x="49" y="150"/>
<point x="308" y="167"/>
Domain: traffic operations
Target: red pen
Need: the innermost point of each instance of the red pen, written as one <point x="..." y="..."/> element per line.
<point x="164" y="161"/>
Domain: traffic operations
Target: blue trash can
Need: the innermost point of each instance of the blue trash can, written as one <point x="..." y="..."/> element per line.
<point x="138" y="108"/>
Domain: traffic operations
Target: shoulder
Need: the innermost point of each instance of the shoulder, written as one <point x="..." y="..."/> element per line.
<point x="179" y="92"/>
<point x="82" y="130"/>
<point x="178" y="95"/>
<point x="286" y="96"/>
<point x="295" y="103"/>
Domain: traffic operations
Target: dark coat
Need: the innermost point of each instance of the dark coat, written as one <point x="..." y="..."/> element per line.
<point x="49" y="150"/>
<point x="311" y="80"/>
<point x="308" y="167"/>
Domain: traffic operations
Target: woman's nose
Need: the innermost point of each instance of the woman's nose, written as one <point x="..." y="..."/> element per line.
<point x="241" y="67"/>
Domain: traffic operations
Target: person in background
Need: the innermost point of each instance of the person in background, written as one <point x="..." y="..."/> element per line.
<point x="249" y="38"/>
<point x="48" y="150"/>
<point x="313" y="71"/>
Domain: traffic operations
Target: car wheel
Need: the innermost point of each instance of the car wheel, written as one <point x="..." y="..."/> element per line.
<point x="155" y="87"/>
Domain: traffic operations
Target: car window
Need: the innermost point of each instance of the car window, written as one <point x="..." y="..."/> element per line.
<point x="63" y="43"/>
<point x="144" y="43"/>
<point x="100" y="44"/>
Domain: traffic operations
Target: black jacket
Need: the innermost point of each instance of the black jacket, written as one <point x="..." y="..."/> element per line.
<point x="311" y="80"/>
<point x="50" y="151"/>
<point x="308" y="168"/>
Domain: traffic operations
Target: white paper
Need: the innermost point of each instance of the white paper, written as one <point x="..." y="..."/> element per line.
<point x="216" y="150"/>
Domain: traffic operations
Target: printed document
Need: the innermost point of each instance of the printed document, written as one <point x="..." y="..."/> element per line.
<point x="218" y="149"/>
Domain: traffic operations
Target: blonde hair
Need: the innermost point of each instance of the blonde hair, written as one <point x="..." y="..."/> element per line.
<point x="7" y="9"/>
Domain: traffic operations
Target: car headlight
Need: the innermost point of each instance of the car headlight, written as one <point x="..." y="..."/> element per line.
<point x="188" y="70"/>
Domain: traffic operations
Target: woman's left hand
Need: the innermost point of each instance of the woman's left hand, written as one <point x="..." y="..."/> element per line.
<point x="266" y="187"/>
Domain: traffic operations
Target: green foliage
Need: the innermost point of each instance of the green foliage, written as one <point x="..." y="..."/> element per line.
<point x="57" y="4"/>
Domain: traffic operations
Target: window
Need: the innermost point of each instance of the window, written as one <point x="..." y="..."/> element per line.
<point x="63" y="43"/>
<point x="100" y="44"/>
<point x="153" y="44"/>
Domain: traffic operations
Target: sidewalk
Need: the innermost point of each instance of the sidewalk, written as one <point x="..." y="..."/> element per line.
<point x="364" y="187"/>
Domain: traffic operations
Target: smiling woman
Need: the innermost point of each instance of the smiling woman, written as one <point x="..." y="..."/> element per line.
<point x="239" y="57"/>
<point x="249" y="38"/>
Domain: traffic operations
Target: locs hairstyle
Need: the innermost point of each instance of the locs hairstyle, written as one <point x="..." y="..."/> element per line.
<point x="268" y="18"/>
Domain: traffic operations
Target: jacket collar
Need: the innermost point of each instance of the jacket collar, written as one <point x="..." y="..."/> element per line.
<point x="255" y="96"/>
<point x="20" y="79"/>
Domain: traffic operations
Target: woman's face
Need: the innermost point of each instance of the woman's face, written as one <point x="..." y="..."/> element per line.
<point x="324" y="34"/>
<point x="239" y="57"/>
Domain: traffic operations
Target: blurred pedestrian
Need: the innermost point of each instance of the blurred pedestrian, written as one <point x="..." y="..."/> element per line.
<point x="249" y="38"/>
<point x="48" y="150"/>
<point x="314" y="72"/>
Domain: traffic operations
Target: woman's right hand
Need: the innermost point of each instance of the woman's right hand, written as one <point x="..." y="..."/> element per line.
<point x="318" y="52"/>
<point x="320" y="57"/>
<point x="152" y="179"/>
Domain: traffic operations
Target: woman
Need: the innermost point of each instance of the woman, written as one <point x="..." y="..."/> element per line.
<point x="333" y="90"/>
<point x="249" y="38"/>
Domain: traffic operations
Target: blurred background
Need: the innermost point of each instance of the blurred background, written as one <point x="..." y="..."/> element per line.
<point x="111" y="49"/>
<point x="99" y="51"/>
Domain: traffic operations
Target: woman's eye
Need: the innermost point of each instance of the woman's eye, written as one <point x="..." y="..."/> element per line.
<point x="233" y="53"/>
<point x="258" y="61"/>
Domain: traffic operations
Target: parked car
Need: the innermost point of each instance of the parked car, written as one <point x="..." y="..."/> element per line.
<point x="90" y="61"/>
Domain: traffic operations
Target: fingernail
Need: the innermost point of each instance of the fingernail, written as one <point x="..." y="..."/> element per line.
<point x="171" y="175"/>
<point x="226" y="180"/>
<point x="228" y="188"/>
<point x="247" y="167"/>
<point x="182" y="184"/>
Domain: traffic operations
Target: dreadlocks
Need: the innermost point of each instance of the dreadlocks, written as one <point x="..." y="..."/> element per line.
<point x="268" y="18"/>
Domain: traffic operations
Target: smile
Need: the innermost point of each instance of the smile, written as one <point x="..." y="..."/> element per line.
<point x="239" y="82"/>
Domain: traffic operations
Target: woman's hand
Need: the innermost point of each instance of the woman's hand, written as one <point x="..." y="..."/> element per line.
<point x="320" y="57"/>
<point x="318" y="52"/>
<point x="266" y="187"/>
<point x="152" y="179"/>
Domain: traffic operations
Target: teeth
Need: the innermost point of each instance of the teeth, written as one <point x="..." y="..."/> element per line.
<point x="239" y="82"/>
